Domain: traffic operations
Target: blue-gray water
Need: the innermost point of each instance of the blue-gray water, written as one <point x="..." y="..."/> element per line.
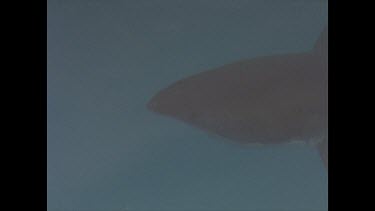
<point x="107" y="152"/>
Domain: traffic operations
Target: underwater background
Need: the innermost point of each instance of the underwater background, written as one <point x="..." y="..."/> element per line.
<point x="107" y="152"/>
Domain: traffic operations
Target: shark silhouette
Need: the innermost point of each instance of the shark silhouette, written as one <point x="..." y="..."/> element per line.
<point x="267" y="100"/>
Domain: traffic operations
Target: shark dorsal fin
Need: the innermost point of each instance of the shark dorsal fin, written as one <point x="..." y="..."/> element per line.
<point x="321" y="45"/>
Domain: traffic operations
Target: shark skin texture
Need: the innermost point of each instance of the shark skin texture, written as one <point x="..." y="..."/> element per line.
<point x="267" y="100"/>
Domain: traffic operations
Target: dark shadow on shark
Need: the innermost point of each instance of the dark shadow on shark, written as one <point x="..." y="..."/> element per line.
<point x="266" y="100"/>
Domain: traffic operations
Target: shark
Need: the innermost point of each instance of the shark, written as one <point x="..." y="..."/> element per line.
<point x="272" y="99"/>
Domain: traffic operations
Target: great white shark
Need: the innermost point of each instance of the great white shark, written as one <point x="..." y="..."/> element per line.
<point x="266" y="100"/>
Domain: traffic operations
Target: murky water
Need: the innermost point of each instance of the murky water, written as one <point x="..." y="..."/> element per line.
<point x="107" y="152"/>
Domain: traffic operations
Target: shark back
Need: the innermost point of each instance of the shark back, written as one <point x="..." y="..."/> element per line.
<point x="267" y="100"/>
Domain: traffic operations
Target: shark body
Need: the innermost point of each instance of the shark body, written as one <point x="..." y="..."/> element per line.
<point x="267" y="100"/>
